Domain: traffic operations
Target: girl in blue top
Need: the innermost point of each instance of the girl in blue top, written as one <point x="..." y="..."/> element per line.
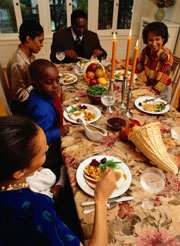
<point x="28" y="218"/>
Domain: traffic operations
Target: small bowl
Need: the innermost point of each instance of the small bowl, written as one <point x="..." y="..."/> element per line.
<point x="95" y="99"/>
<point x="116" y="123"/>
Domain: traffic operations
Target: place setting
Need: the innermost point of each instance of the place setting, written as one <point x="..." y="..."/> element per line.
<point x="92" y="168"/>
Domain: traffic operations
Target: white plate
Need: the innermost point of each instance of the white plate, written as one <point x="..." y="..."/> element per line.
<point x="84" y="62"/>
<point x="142" y="99"/>
<point x="66" y="75"/>
<point x="85" y="187"/>
<point x="97" y="112"/>
<point x="121" y="77"/>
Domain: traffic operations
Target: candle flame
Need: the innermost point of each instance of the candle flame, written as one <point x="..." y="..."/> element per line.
<point x="130" y="33"/>
<point x="137" y="42"/>
<point x="114" y="35"/>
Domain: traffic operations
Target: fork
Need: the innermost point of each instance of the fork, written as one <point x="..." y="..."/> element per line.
<point x="97" y="153"/>
<point x="109" y="206"/>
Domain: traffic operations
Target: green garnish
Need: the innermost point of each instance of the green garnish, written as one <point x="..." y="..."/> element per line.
<point x="83" y="61"/>
<point x="112" y="164"/>
<point x="96" y="90"/>
<point x="74" y="109"/>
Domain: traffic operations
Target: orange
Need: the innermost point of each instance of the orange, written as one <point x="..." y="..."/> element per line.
<point x="102" y="81"/>
<point x="90" y="75"/>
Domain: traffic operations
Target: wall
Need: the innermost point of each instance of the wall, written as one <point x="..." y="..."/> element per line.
<point x="172" y="14"/>
<point x="143" y="8"/>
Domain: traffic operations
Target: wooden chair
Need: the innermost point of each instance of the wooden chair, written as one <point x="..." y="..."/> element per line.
<point x="175" y="80"/>
<point x="4" y="92"/>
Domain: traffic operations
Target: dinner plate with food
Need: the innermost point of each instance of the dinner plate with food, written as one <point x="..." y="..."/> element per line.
<point x="85" y="111"/>
<point x="118" y="75"/>
<point x="152" y="105"/>
<point x="92" y="168"/>
<point x="68" y="78"/>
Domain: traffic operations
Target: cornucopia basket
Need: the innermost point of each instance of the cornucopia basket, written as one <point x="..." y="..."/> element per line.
<point x="99" y="65"/>
<point x="149" y="141"/>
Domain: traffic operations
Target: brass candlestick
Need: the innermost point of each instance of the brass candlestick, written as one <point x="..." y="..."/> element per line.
<point x="111" y="88"/>
<point x="124" y="85"/>
<point x="127" y="113"/>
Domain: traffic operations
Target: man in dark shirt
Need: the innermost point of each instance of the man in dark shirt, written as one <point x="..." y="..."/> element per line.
<point x="76" y="41"/>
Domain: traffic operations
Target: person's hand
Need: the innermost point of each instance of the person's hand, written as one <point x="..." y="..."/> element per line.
<point x="105" y="185"/>
<point x="97" y="53"/>
<point x="120" y="63"/>
<point x="57" y="189"/>
<point x="71" y="54"/>
<point x="64" y="130"/>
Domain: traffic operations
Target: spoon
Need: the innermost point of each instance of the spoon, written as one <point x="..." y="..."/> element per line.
<point x="74" y="99"/>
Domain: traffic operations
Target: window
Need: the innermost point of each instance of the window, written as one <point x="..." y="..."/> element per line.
<point x="105" y="17"/>
<point x="7" y="17"/>
<point x="125" y="14"/>
<point x="58" y="14"/>
<point x="80" y="4"/>
<point x="29" y="9"/>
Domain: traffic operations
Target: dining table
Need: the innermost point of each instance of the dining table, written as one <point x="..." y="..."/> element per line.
<point x="129" y="223"/>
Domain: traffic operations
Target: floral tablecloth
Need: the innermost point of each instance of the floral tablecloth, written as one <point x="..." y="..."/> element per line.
<point x="129" y="223"/>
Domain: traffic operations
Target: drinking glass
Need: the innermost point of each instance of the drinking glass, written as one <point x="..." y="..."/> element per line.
<point x="60" y="55"/>
<point x="108" y="99"/>
<point x="105" y="61"/>
<point x="79" y="69"/>
<point x="152" y="181"/>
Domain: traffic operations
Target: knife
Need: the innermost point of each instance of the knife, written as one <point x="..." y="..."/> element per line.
<point x="116" y="199"/>
<point x="155" y="98"/>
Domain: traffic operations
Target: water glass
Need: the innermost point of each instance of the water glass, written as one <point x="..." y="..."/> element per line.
<point x="105" y="61"/>
<point x="79" y="69"/>
<point x="108" y="99"/>
<point x="152" y="181"/>
<point x="60" y="55"/>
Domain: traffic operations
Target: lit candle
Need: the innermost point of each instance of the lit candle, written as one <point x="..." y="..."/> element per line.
<point x="136" y="48"/>
<point x="127" y="53"/>
<point x="113" y="55"/>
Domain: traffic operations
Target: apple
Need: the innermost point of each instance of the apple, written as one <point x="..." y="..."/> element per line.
<point x="94" y="82"/>
<point x="123" y="136"/>
<point x="134" y="123"/>
<point x="92" y="67"/>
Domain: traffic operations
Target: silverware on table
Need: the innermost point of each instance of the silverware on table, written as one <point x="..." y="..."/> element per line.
<point x="115" y="199"/>
<point x="109" y="206"/>
<point x="73" y="99"/>
<point x="112" y="203"/>
<point x="97" y="153"/>
<point x="155" y="98"/>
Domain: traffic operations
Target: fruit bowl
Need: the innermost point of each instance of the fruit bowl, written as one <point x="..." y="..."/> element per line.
<point x="94" y="93"/>
<point x="94" y="73"/>
<point x="116" y="123"/>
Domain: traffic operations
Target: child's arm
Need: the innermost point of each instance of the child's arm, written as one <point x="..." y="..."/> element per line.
<point x="59" y="186"/>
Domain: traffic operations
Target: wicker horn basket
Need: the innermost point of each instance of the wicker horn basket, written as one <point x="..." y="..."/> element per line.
<point x="149" y="141"/>
<point x="92" y="62"/>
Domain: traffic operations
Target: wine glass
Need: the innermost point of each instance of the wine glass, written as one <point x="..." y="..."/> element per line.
<point x="105" y="61"/>
<point x="108" y="99"/>
<point x="60" y="55"/>
<point x="152" y="181"/>
<point x="79" y="69"/>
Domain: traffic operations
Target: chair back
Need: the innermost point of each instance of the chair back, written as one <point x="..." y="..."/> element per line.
<point x="4" y="92"/>
<point x="175" y="80"/>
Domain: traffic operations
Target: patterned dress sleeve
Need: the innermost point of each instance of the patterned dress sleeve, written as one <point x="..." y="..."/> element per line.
<point x="48" y="223"/>
<point x="164" y="68"/>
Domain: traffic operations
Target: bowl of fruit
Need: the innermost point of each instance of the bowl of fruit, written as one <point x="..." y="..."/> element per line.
<point x="94" y="93"/>
<point x="94" y="73"/>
